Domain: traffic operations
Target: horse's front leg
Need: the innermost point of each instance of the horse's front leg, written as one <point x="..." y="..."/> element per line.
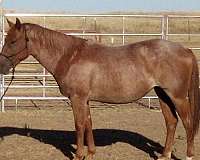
<point x="89" y="136"/>
<point x="82" y="123"/>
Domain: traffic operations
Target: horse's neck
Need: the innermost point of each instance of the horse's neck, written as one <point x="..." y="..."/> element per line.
<point x="48" y="47"/>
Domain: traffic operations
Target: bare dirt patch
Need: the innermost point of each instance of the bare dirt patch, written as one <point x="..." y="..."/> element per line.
<point x="122" y="132"/>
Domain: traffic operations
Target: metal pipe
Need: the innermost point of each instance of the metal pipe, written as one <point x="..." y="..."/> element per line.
<point x="80" y="15"/>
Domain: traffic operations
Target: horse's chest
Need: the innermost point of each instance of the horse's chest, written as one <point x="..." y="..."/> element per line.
<point x="76" y="80"/>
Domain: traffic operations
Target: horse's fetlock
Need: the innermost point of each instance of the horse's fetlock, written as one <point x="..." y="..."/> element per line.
<point x="92" y="150"/>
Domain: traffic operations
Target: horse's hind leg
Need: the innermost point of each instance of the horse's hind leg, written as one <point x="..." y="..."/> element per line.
<point x="171" y="123"/>
<point x="183" y="109"/>
<point x="171" y="120"/>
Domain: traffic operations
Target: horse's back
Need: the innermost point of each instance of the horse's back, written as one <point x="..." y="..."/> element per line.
<point x="149" y="48"/>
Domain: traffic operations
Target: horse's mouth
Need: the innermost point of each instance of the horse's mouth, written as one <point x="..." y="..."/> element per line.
<point x="4" y="72"/>
<point x="5" y="69"/>
<point x="5" y="66"/>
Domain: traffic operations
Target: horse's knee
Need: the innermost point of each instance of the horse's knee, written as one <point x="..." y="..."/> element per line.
<point x="79" y="127"/>
<point x="171" y="126"/>
<point x="80" y="123"/>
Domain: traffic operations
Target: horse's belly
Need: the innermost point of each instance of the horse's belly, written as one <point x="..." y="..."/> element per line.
<point x="121" y="83"/>
<point x="116" y="98"/>
<point x="121" y="92"/>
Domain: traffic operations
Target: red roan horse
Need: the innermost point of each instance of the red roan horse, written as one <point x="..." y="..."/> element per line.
<point x="86" y="71"/>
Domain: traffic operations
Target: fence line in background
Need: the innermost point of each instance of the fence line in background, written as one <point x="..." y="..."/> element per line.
<point x="163" y="34"/>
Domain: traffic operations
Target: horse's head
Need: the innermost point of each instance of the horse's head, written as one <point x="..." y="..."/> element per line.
<point x="15" y="47"/>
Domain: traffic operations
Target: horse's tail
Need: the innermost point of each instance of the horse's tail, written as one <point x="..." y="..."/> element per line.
<point x="194" y="97"/>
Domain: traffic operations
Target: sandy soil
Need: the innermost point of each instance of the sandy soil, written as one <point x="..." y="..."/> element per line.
<point x="125" y="132"/>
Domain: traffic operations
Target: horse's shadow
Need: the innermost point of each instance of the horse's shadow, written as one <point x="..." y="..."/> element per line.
<point x="63" y="140"/>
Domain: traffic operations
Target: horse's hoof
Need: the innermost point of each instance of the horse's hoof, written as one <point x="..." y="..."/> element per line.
<point x="89" y="157"/>
<point x="163" y="158"/>
<point x="78" y="158"/>
<point x="189" y="158"/>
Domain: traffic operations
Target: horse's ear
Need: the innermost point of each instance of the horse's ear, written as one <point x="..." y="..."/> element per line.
<point x="11" y="24"/>
<point x="18" y="24"/>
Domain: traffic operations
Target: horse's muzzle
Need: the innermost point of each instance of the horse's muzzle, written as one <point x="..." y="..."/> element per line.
<point x="5" y="65"/>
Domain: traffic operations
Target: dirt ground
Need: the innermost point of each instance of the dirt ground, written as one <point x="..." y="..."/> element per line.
<point x="123" y="132"/>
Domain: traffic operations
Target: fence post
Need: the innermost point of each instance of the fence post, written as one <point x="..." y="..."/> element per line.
<point x="84" y="26"/>
<point x="165" y="27"/>
<point x="1" y="41"/>
<point x="1" y="92"/>
<point x="44" y="70"/>
<point x="123" y="29"/>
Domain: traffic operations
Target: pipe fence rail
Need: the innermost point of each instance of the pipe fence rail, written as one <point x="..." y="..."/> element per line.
<point x="162" y="34"/>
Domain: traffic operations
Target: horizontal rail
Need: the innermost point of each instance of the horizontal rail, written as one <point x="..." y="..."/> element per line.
<point x="49" y="75"/>
<point x="30" y="86"/>
<point x="183" y="34"/>
<point x="54" y="98"/>
<point x="150" y="97"/>
<point x="183" y="16"/>
<point x="29" y="62"/>
<point x="34" y="98"/>
<point x="194" y="48"/>
<point x="80" y="15"/>
<point x="115" y="34"/>
<point x="29" y="75"/>
<point x="112" y="34"/>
